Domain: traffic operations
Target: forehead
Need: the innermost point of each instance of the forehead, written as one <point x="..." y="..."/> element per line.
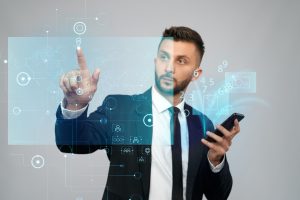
<point x="178" y="47"/>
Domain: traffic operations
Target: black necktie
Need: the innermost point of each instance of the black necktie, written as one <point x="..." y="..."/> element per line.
<point x="177" y="189"/>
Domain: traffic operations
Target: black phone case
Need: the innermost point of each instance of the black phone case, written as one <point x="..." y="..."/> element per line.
<point x="228" y="124"/>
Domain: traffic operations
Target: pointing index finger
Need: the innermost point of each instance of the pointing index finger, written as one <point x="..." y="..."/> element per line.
<point x="81" y="59"/>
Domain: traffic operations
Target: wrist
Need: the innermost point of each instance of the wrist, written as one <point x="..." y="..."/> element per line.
<point x="215" y="159"/>
<point x="72" y="106"/>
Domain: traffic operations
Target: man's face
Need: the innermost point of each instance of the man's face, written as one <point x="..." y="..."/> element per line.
<point x="175" y="65"/>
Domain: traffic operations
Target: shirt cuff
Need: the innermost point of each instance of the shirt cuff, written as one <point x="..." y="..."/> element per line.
<point x="71" y="114"/>
<point x="219" y="167"/>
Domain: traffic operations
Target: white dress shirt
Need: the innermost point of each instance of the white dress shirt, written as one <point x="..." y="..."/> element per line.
<point x="161" y="166"/>
<point x="161" y="163"/>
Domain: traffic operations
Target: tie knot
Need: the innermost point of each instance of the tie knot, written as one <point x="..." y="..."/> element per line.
<point x="174" y="111"/>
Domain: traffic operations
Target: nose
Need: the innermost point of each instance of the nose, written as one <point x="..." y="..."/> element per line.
<point x="169" y="67"/>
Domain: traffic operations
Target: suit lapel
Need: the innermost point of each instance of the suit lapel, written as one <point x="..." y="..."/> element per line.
<point x="195" y="131"/>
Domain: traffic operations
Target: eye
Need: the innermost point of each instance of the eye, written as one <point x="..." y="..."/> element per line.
<point x="163" y="57"/>
<point x="182" y="61"/>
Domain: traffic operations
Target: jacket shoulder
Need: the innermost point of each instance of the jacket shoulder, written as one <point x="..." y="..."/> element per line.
<point x="123" y="101"/>
<point x="205" y="120"/>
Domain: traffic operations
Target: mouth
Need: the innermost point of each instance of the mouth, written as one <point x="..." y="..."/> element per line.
<point x="167" y="81"/>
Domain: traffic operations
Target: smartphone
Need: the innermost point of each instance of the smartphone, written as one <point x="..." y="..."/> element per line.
<point x="228" y="124"/>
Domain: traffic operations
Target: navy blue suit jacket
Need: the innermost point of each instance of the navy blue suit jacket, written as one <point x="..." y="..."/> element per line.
<point x="87" y="134"/>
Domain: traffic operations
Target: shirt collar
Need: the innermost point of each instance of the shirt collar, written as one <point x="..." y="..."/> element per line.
<point x="161" y="103"/>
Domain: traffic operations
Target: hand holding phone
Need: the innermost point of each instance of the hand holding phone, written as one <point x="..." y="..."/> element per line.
<point x="228" y="124"/>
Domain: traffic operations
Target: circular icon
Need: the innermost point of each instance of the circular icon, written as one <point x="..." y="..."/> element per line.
<point x="79" y="28"/>
<point x="23" y="78"/>
<point x="147" y="150"/>
<point x="16" y="110"/>
<point x="148" y="120"/>
<point x="37" y="161"/>
<point x="187" y="112"/>
<point x="111" y="103"/>
<point x="79" y="91"/>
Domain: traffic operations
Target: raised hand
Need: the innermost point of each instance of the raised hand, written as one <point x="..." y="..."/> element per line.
<point x="79" y="85"/>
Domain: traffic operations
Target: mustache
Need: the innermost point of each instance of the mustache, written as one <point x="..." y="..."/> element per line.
<point x="167" y="75"/>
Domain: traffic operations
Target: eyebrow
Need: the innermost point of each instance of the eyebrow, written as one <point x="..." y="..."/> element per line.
<point x="162" y="51"/>
<point x="178" y="56"/>
<point x="183" y="56"/>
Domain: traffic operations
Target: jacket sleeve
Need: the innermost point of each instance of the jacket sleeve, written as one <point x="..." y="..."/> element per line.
<point x="217" y="186"/>
<point x="84" y="134"/>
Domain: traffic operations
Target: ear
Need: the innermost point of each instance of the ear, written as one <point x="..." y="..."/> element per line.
<point x="197" y="73"/>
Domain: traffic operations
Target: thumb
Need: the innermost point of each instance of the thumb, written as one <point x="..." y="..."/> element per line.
<point x="95" y="76"/>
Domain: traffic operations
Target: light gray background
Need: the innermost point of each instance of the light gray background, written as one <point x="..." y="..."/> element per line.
<point x="258" y="35"/>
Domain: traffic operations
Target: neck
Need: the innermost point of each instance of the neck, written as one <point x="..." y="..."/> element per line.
<point x="173" y="99"/>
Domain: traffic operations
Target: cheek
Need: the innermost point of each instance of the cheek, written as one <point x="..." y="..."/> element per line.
<point x="185" y="74"/>
<point x="157" y="70"/>
<point x="159" y="67"/>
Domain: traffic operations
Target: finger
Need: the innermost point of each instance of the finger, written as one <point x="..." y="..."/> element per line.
<point x="221" y="142"/>
<point x="67" y="84"/>
<point x="73" y="82"/>
<point x="81" y="60"/>
<point x="225" y="132"/>
<point x="210" y="145"/>
<point x="213" y="146"/>
<point x="95" y="77"/>
<point x="73" y="79"/>
<point x="236" y="127"/>
<point x="214" y="136"/>
<point x="79" y="80"/>
<point x="61" y="84"/>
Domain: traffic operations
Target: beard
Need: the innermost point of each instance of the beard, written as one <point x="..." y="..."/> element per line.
<point x="177" y="87"/>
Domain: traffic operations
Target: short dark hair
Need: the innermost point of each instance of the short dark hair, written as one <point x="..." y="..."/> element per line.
<point x="181" y="33"/>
